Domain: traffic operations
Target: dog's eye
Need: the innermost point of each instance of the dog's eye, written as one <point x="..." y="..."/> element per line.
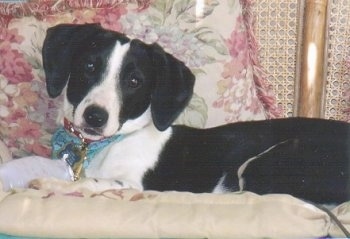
<point x="90" y="67"/>
<point x="134" y="82"/>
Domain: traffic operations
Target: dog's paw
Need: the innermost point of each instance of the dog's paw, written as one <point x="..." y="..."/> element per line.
<point x="49" y="184"/>
<point x="97" y="185"/>
<point x="35" y="184"/>
<point x="91" y="184"/>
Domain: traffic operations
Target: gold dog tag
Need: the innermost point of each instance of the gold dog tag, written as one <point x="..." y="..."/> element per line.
<point x="77" y="166"/>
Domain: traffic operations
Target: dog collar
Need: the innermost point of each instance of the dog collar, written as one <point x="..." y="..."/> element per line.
<point x="79" y="151"/>
<point x="70" y="128"/>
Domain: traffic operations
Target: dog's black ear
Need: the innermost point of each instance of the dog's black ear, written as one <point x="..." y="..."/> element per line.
<point x="59" y="46"/>
<point x="173" y="89"/>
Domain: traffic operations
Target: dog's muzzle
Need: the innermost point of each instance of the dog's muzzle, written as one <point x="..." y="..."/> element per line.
<point x="95" y="118"/>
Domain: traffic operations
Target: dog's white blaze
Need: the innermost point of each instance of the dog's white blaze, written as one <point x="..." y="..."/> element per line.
<point x="105" y="94"/>
<point x="129" y="159"/>
<point x="66" y="111"/>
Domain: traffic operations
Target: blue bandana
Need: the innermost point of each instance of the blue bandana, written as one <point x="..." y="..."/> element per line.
<point x="65" y="143"/>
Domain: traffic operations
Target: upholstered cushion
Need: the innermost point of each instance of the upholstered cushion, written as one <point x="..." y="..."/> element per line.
<point x="213" y="38"/>
<point x="133" y="214"/>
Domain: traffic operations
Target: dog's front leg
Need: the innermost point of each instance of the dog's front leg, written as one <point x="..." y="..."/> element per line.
<point x="91" y="184"/>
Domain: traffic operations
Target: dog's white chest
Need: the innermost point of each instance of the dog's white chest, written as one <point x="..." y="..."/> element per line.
<point x="128" y="160"/>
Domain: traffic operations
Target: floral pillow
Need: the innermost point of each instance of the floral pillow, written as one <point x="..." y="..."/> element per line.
<point x="214" y="38"/>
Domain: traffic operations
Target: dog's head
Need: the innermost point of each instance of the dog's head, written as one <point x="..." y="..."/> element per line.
<point x="113" y="84"/>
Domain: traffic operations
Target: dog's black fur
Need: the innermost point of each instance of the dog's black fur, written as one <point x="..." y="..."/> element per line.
<point x="310" y="161"/>
<point x="308" y="158"/>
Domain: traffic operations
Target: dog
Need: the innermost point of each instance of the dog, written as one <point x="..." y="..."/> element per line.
<point x="116" y="86"/>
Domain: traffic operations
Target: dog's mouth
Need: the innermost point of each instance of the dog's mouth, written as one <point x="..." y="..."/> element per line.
<point x="92" y="131"/>
<point x="83" y="131"/>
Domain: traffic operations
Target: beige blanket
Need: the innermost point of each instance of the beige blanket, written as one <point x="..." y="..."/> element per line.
<point x="133" y="214"/>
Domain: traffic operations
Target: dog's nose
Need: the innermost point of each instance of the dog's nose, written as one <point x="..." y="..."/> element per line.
<point x="95" y="116"/>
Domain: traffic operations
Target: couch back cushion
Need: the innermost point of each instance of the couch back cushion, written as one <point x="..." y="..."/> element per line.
<point x="213" y="38"/>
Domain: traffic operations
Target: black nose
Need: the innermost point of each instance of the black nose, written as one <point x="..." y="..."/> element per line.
<point x="95" y="116"/>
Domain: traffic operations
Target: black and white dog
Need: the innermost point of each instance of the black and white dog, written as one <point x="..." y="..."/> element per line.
<point x="113" y="85"/>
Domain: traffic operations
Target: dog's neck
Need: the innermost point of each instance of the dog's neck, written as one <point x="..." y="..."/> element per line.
<point x="78" y="151"/>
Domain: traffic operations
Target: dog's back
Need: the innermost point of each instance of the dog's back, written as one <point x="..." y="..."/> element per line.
<point x="308" y="158"/>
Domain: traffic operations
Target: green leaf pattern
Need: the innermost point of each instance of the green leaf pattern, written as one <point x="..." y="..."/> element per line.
<point x="208" y="36"/>
<point x="178" y="26"/>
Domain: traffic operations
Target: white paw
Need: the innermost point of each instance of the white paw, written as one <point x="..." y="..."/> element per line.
<point x="97" y="185"/>
<point x="91" y="184"/>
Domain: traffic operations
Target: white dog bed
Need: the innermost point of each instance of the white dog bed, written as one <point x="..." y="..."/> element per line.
<point x="133" y="214"/>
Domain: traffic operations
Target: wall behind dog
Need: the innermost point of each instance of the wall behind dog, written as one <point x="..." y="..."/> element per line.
<point x="215" y="39"/>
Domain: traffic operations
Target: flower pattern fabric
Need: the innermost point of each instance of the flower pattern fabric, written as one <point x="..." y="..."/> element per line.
<point x="211" y="37"/>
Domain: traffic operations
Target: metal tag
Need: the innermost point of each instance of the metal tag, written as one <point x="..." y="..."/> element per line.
<point x="76" y="155"/>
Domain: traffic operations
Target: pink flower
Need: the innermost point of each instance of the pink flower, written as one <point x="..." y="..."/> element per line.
<point x="109" y="17"/>
<point x="234" y="69"/>
<point x="16" y="115"/>
<point x="83" y="16"/>
<point x="13" y="65"/>
<point x="238" y="43"/>
<point x="143" y="4"/>
<point x="10" y="35"/>
<point x="27" y="129"/>
<point x="27" y="96"/>
<point x="38" y="149"/>
<point x="91" y="3"/>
